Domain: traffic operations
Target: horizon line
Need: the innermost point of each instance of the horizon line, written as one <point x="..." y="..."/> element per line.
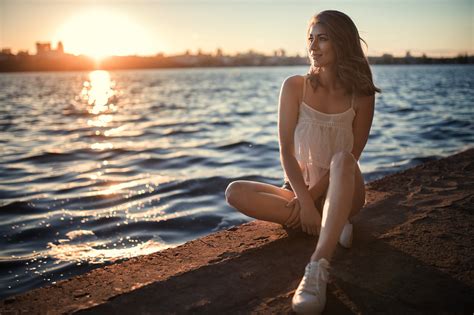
<point x="275" y="52"/>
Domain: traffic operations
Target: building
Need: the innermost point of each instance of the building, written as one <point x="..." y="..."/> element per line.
<point x="60" y="48"/>
<point x="44" y="49"/>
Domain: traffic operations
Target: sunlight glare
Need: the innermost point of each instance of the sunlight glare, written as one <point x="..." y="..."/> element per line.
<point x="99" y="33"/>
<point x="99" y="95"/>
<point x="98" y="92"/>
<point x="98" y="252"/>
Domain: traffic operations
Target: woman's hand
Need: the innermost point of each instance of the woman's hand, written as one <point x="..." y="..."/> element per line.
<point x="294" y="220"/>
<point x="310" y="218"/>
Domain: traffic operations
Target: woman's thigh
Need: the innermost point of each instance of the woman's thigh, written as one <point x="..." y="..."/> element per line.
<point x="260" y="200"/>
<point x="250" y="189"/>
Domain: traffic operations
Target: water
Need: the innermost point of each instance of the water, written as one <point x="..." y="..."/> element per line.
<point x="102" y="166"/>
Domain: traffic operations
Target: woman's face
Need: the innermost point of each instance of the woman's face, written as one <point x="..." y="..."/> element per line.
<point x="320" y="48"/>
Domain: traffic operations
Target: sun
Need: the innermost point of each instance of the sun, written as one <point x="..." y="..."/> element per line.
<point x="99" y="33"/>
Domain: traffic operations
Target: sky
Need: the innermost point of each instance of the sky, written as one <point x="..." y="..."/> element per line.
<point x="147" y="27"/>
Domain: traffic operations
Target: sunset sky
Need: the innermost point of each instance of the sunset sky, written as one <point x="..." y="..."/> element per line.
<point x="146" y="27"/>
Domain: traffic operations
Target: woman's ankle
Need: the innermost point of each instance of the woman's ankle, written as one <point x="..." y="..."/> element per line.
<point x="318" y="256"/>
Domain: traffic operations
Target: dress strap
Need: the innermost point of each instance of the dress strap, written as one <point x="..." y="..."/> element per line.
<point x="305" y="77"/>
<point x="352" y="100"/>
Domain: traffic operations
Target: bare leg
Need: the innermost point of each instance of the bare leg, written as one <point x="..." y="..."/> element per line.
<point x="260" y="201"/>
<point x="345" y="197"/>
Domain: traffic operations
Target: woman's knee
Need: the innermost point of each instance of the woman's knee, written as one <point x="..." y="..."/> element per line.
<point x="234" y="193"/>
<point x="343" y="159"/>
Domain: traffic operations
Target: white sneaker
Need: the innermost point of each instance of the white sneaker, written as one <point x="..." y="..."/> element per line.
<point x="310" y="296"/>
<point x="345" y="239"/>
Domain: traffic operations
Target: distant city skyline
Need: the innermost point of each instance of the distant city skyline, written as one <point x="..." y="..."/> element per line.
<point x="147" y="27"/>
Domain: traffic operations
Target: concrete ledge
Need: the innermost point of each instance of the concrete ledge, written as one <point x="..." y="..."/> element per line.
<point x="412" y="253"/>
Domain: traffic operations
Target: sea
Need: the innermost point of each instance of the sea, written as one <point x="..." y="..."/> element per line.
<point x="101" y="166"/>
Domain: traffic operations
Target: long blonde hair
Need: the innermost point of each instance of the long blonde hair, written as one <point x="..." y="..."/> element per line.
<point x="353" y="69"/>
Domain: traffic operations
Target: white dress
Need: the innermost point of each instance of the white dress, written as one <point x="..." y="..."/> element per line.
<point x="318" y="136"/>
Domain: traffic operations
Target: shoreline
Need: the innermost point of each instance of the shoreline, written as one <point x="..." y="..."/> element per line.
<point x="230" y="66"/>
<point x="411" y="254"/>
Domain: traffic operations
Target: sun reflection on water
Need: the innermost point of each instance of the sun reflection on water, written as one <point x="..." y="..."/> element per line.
<point x="99" y="92"/>
<point x="100" y="96"/>
<point x="100" y="121"/>
<point x="94" y="251"/>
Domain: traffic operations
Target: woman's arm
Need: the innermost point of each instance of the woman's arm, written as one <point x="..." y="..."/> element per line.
<point x="287" y="119"/>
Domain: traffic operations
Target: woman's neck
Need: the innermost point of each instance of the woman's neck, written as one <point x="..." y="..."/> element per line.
<point x="328" y="79"/>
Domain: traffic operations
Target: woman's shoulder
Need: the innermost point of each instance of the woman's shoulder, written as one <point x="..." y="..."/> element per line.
<point x="292" y="90"/>
<point x="293" y="80"/>
<point x="294" y="83"/>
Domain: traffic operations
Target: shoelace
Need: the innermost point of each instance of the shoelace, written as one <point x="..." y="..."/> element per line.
<point x="311" y="278"/>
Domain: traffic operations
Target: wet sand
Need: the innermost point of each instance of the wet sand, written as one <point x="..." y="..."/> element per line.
<point x="412" y="253"/>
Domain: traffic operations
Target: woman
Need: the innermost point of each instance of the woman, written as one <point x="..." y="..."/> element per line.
<point x="324" y="119"/>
